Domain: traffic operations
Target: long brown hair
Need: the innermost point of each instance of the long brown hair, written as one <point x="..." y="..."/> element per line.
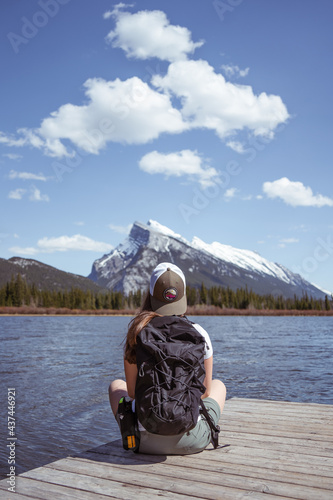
<point x="134" y="328"/>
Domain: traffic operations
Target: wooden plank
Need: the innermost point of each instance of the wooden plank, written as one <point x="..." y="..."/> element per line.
<point x="135" y="489"/>
<point x="280" y="404"/>
<point x="180" y="480"/>
<point x="267" y="461"/>
<point x="259" y="412"/>
<point x="283" y="430"/>
<point x="308" y="446"/>
<point x="124" y="488"/>
<point x="253" y="442"/>
<point x="277" y="407"/>
<point x="45" y="491"/>
<point x="9" y="495"/>
<point x="271" y="423"/>
<point x="300" y="423"/>
<point x="265" y="455"/>
<point x="287" y="459"/>
<point x="200" y="465"/>
<point x="309" y="426"/>
<point x="277" y="413"/>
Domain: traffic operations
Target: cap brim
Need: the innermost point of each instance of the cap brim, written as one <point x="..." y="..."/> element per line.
<point x="174" y="308"/>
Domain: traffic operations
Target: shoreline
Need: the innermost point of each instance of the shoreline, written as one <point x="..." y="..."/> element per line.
<point x="191" y="311"/>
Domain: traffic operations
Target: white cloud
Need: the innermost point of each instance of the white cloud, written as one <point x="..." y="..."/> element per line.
<point x="148" y="34"/>
<point x="10" y="140"/>
<point x="133" y="112"/>
<point x="295" y="193"/>
<point x="118" y="111"/>
<point x="116" y="9"/>
<point x="107" y="14"/>
<point x="120" y="229"/>
<point x="231" y="70"/>
<point x="236" y="146"/>
<point x="12" y="156"/>
<point x="27" y="137"/>
<point x="37" y="196"/>
<point x="302" y="228"/>
<point x="181" y="163"/>
<point x="209" y="101"/>
<point x="26" y="176"/>
<point x="24" y="251"/>
<point x="287" y="241"/>
<point x="76" y="242"/>
<point x="17" y="194"/>
<point x="230" y="193"/>
<point x="64" y="244"/>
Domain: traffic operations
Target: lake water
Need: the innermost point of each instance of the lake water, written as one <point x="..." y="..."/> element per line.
<point x="61" y="367"/>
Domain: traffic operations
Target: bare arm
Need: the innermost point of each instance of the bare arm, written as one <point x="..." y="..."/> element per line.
<point x="131" y="372"/>
<point x="208" y="378"/>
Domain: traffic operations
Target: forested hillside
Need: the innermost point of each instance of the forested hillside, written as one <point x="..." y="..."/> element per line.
<point x="18" y="293"/>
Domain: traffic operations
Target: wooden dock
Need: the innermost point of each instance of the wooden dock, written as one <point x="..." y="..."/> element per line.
<point x="268" y="450"/>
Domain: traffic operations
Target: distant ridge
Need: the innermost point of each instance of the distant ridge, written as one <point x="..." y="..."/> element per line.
<point x="45" y="277"/>
<point x="128" y="267"/>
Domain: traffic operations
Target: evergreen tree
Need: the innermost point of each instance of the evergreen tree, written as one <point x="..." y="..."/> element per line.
<point x="327" y="304"/>
<point x="203" y="294"/>
<point x="191" y="294"/>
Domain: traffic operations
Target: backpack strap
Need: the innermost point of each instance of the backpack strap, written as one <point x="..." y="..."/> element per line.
<point x="214" y="429"/>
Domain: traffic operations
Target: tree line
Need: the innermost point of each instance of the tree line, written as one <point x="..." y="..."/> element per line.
<point x="242" y="298"/>
<point x="18" y="293"/>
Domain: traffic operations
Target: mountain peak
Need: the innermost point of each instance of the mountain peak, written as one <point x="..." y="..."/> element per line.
<point x="159" y="228"/>
<point x="128" y="267"/>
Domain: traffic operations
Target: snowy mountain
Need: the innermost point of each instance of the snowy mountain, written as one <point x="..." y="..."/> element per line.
<point x="128" y="267"/>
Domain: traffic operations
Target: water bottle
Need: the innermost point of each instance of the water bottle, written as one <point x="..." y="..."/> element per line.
<point x="128" y="425"/>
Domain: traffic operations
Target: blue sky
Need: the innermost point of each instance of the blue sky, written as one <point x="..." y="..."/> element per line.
<point x="213" y="118"/>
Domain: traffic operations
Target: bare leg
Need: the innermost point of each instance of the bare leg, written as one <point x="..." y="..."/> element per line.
<point x="218" y="392"/>
<point x="117" y="390"/>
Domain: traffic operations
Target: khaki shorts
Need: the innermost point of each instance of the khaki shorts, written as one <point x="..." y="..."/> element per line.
<point x="193" y="441"/>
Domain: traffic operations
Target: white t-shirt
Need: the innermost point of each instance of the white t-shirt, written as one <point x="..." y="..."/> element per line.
<point x="208" y="348"/>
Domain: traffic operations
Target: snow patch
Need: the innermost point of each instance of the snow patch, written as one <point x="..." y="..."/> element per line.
<point x="329" y="294"/>
<point x="159" y="228"/>
<point x="245" y="259"/>
<point x="25" y="263"/>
